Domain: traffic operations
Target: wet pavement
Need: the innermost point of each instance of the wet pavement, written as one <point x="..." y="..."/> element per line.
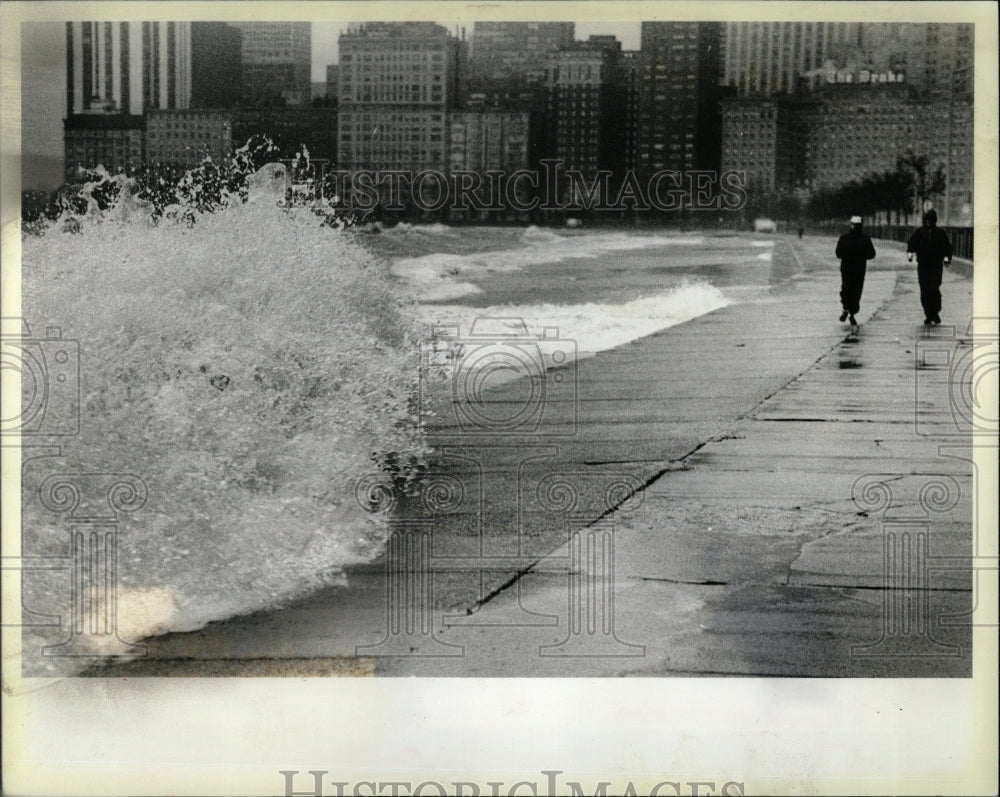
<point x="754" y="492"/>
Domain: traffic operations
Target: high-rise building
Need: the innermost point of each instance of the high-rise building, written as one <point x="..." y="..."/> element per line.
<point x="503" y="49"/>
<point x="765" y="58"/>
<point x="332" y="76"/>
<point x="396" y="85"/>
<point x="678" y="96"/>
<point x="216" y="65"/>
<point x="290" y="129"/>
<point x="950" y="54"/>
<point x="127" y="67"/>
<point x="846" y="133"/>
<point x="482" y="141"/>
<point x="277" y="63"/>
<point x="183" y="139"/>
<point x="585" y="109"/>
<point x="115" y="73"/>
<point x="487" y="141"/>
<point x="853" y="131"/>
<point x="115" y="141"/>
<point x="761" y="138"/>
<point x="630" y="70"/>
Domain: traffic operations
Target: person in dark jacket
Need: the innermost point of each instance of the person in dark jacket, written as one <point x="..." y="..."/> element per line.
<point x="933" y="249"/>
<point x="854" y="250"/>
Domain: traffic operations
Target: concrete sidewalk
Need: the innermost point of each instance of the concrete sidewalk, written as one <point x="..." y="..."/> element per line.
<point x="729" y="498"/>
<point x="827" y="532"/>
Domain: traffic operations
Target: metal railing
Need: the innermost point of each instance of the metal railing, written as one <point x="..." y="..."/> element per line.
<point x="961" y="237"/>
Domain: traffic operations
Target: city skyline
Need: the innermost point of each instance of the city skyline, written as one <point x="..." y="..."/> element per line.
<point x="43" y="85"/>
<point x="592" y="102"/>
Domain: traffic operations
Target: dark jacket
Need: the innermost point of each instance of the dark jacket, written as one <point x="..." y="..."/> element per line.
<point x="931" y="245"/>
<point x="855" y="249"/>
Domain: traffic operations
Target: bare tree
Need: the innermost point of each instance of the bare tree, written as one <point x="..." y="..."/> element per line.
<point x="927" y="184"/>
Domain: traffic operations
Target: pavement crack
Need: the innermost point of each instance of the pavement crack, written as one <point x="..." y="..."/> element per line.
<point x="878" y="587"/>
<point x="832" y="420"/>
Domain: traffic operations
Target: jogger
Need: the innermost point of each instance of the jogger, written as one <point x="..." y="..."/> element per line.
<point x="854" y="249"/>
<point x="933" y="250"/>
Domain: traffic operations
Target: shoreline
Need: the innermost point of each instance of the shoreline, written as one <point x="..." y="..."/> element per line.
<point x="656" y="377"/>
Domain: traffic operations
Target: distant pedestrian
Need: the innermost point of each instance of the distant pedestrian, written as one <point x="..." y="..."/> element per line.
<point x="854" y="250"/>
<point x="801" y="231"/>
<point x="933" y="249"/>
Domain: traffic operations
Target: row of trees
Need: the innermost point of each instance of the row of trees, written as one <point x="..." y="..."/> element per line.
<point x="900" y="191"/>
<point x="881" y="197"/>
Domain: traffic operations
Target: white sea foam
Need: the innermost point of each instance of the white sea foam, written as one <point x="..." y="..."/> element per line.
<point x="590" y="327"/>
<point x="244" y="369"/>
<point x="540" y="235"/>
<point x="407" y="229"/>
<point x="762" y="243"/>
<point x="427" y="273"/>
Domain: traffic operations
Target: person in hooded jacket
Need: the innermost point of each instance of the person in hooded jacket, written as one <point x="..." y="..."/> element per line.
<point x="933" y="250"/>
<point x="854" y="249"/>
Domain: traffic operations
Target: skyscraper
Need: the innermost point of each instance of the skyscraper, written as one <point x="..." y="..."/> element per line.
<point x="116" y="72"/>
<point x="586" y="105"/>
<point x="766" y="58"/>
<point x="501" y="49"/>
<point x="277" y="63"/>
<point x="847" y="133"/>
<point x="678" y="90"/>
<point x="127" y="67"/>
<point x="397" y="81"/>
<point x="216" y="67"/>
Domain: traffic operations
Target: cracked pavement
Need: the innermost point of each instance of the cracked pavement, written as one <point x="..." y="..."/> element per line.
<point x="753" y="492"/>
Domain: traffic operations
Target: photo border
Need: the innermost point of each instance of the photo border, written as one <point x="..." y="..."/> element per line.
<point x="233" y="736"/>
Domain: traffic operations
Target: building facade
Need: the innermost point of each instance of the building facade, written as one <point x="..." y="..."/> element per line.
<point x="847" y="133"/>
<point x="290" y="129"/>
<point x="765" y="58"/>
<point x="768" y="58"/>
<point x="583" y="127"/>
<point x="216" y="65"/>
<point x="116" y="142"/>
<point x="505" y="49"/>
<point x="761" y="137"/>
<point x="487" y="141"/>
<point x="127" y="67"/>
<point x="332" y="78"/>
<point x="481" y="141"/>
<point x="116" y="72"/>
<point x="397" y="83"/>
<point x="183" y="139"/>
<point x="277" y="63"/>
<point x="851" y="134"/>
<point x="677" y="82"/>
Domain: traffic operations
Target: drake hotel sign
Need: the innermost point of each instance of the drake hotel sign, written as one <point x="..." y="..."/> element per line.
<point x="863" y="76"/>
